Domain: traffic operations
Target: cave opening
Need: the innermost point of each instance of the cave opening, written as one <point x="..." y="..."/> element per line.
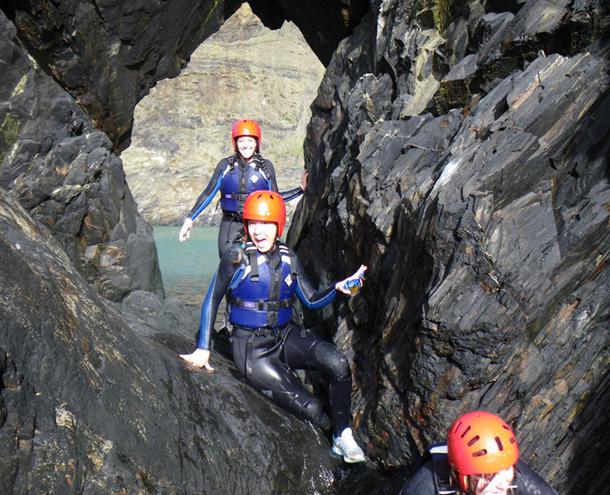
<point x="182" y="129"/>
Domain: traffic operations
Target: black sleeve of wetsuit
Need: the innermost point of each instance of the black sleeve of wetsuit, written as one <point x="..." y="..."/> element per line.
<point x="529" y="483"/>
<point x="312" y="298"/>
<point x="421" y="483"/>
<point x="222" y="164"/>
<point x="219" y="286"/>
<point x="291" y="193"/>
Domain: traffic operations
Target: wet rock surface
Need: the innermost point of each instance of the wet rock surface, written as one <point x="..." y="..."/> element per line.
<point x="90" y="404"/>
<point x="457" y="148"/>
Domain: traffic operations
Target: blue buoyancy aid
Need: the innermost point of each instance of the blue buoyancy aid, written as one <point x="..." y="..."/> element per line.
<point x="263" y="296"/>
<point x="238" y="181"/>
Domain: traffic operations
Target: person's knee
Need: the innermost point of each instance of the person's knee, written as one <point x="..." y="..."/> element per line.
<point x="332" y="361"/>
<point x="312" y="410"/>
<point x="338" y="365"/>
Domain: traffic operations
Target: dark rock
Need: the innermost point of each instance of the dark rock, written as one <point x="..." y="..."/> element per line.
<point x="89" y="404"/>
<point x="482" y="214"/>
<point x="63" y="171"/>
<point x="128" y="47"/>
<point x="485" y="237"/>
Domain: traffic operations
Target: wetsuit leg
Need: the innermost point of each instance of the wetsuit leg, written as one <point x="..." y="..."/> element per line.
<point x="303" y="350"/>
<point x="257" y="357"/>
<point x="229" y="232"/>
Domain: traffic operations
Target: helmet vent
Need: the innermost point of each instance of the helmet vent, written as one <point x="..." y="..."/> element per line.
<point x="499" y="443"/>
<point x="473" y="440"/>
<point x="479" y="453"/>
<point x="465" y="431"/>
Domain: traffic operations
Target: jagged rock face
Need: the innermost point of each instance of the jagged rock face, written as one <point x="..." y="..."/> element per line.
<point x="63" y="171"/>
<point x="443" y="152"/>
<point x="129" y="46"/>
<point x="483" y="219"/>
<point x="91" y="405"/>
<point x="107" y="56"/>
<point x="183" y="128"/>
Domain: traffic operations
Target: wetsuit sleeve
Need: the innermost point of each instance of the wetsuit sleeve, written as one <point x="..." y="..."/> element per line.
<point x="311" y="298"/>
<point x="207" y="196"/>
<point x="272" y="180"/>
<point x="529" y="483"/>
<point x="222" y="279"/>
<point x="291" y="194"/>
<point x="422" y="482"/>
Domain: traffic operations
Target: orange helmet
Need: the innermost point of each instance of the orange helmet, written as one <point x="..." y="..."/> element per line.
<point x="265" y="206"/>
<point x="246" y="127"/>
<point x="480" y="442"/>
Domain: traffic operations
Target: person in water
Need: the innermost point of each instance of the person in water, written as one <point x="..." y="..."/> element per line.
<point x="260" y="279"/>
<point x="235" y="177"/>
<point x="481" y="457"/>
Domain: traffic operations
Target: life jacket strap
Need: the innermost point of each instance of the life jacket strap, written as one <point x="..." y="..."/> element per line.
<point x="237" y="196"/>
<point x="261" y="305"/>
<point x="252" y="254"/>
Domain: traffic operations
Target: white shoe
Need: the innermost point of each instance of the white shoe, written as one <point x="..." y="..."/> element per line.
<point x="346" y="446"/>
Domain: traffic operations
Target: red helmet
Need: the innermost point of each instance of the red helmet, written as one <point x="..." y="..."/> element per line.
<point x="265" y="206"/>
<point x="480" y="442"/>
<point x="246" y="127"/>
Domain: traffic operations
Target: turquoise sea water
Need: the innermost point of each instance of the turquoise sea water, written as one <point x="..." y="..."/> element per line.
<point x="187" y="267"/>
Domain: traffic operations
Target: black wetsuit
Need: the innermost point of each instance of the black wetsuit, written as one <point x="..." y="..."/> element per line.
<point x="431" y="479"/>
<point x="266" y="344"/>
<point x="235" y="179"/>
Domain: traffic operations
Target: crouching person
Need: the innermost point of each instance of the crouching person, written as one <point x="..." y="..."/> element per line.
<point x="481" y="457"/>
<point x="260" y="278"/>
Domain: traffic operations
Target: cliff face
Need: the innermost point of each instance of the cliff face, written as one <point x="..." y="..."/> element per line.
<point x="463" y="154"/>
<point x="62" y="169"/>
<point x="458" y="148"/>
<point x="90" y="404"/>
<point x="183" y="128"/>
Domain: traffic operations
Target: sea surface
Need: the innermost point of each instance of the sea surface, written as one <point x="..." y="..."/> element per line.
<point x="187" y="267"/>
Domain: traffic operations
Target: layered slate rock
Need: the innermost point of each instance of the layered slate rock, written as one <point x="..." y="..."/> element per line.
<point x="459" y="148"/>
<point x="62" y="169"/>
<point x="90" y="404"/>
<point x="463" y="155"/>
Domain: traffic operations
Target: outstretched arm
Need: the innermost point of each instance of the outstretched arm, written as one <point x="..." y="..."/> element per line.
<point x="272" y="182"/>
<point x="204" y="199"/>
<point x="297" y="191"/>
<point x="310" y="297"/>
<point x="227" y="272"/>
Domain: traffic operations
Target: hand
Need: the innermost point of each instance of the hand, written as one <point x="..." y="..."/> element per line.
<point x="352" y="284"/>
<point x="200" y="359"/>
<point x="304" y="178"/>
<point x="185" y="231"/>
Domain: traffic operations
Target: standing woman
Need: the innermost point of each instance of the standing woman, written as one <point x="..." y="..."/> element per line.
<point x="236" y="177"/>
<point x="481" y="457"/>
<point x="260" y="279"/>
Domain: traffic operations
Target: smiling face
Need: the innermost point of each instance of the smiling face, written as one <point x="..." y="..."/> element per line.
<point x="246" y="146"/>
<point x="499" y="484"/>
<point x="262" y="234"/>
